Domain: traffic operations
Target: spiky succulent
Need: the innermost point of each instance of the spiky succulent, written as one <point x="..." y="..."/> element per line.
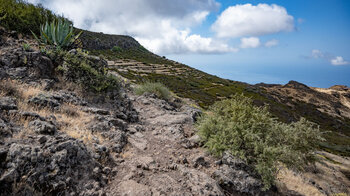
<point x="58" y="33"/>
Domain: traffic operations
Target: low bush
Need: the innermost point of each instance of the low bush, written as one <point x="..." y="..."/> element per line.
<point x="89" y="71"/>
<point x="157" y="88"/>
<point x="116" y="49"/>
<point x="252" y="134"/>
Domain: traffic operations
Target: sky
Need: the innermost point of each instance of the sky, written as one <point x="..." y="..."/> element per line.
<point x="253" y="41"/>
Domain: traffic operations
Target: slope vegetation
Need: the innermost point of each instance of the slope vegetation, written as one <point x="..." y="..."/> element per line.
<point x="288" y="103"/>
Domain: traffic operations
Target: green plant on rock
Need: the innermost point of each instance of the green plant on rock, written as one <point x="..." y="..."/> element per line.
<point x="26" y="47"/>
<point x="153" y="87"/>
<point x="58" y="33"/>
<point x="89" y="72"/>
<point x="252" y="134"/>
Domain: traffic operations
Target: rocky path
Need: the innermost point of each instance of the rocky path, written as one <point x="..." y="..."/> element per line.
<point x="162" y="157"/>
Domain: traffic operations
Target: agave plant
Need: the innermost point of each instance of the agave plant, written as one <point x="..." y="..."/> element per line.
<point x="58" y="33"/>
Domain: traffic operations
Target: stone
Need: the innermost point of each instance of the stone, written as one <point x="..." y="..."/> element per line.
<point x="42" y="127"/>
<point x="146" y="162"/>
<point x="96" y="111"/>
<point x="107" y="170"/>
<point x="138" y="143"/>
<point x="54" y="166"/>
<point x="199" y="160"/>
<point x="32" y="115"/>
<point x="42" y="139"/>
<point x="234" y="175"/>
<point x="8" y="103"/>
<point x="44" y="101"/>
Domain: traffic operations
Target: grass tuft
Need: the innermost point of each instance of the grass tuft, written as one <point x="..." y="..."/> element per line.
<point x="153" y="87"/>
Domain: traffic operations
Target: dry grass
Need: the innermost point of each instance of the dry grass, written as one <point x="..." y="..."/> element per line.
<point x="42" y="111"/>
<point x="329" y="174"/>
<point x="289" y="180"/>
<point x="69" y="86"/>
<point x="19" y="90"/>
<point x="73" y="121"/>
<point x="70" y="110"/>
<point x="25" y="132"/>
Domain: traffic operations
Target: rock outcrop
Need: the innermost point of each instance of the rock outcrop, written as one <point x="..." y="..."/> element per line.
<point x="100" y="41"/>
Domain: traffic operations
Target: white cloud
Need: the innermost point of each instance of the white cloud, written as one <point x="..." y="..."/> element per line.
<point x="338" y="60"/>
<point x="271" y="43"/>
<point x="250" y="20"/>
<point x="250" y="42"/>
<point x="182" y="42"/>
<point x="317" y="54"/>
<point x="163" y="26"/>
<point x="334" y="60"/>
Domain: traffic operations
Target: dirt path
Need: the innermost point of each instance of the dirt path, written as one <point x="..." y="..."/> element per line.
<point x="161" y="157"/>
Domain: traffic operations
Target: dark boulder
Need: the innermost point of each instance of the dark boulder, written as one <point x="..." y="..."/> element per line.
<point x="28" y="65"/>
<point x="42" y="127"/>
<point x="235" y="176"/>
<point x="55" y="165"/>
<point x="7" y="103"/>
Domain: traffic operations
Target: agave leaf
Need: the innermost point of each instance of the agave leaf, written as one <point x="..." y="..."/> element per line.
<point x="53" y="32"/>
<point x="57" y="33"/>
<point x="67" y="40"/>
<point x="35" y="37"/>
<point x="77" y="36"/>
<point x="47" y="38"/>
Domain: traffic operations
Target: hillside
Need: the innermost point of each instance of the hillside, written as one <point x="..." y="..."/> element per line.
<point x="60" y="136"/>
<point x="288" y="103"/>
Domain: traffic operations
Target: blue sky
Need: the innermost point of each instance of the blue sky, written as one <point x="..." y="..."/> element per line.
<point x="250" y="41"/>
<point x="324" y="26"/>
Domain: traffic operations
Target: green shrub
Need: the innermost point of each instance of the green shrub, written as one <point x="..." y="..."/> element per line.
<point x="116" y="49"/>
<point x="252" y="134"/>
<point x="157" y="88"/>
<point x="24" y="17"/>
<point x="58" y="33"/>
<point x="89" y="71"/>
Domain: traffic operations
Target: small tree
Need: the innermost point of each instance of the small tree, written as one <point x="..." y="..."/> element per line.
<point x="252" y="134"/>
